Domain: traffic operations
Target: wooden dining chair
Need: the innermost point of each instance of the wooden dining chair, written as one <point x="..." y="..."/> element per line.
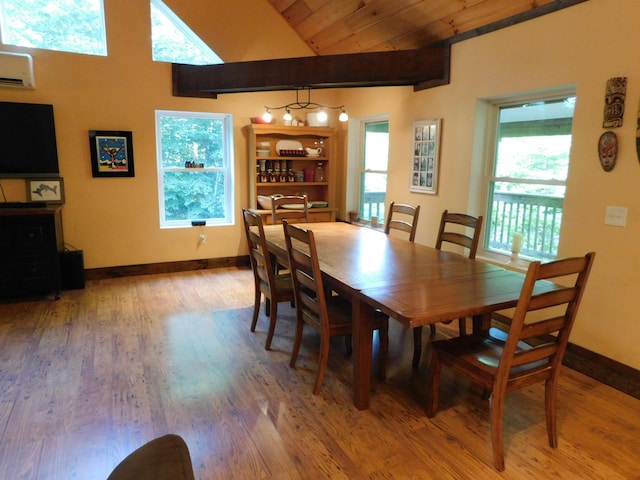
<point x="448" y="232"/>
<point x="529" y="352"/>
<point x="402" y="217"/>
<point x="330" y="315"/>
<point x="452" y="229"/>
<point x="275" y="286"/>
<point x="164" y="458"/>
<point x="290" y="208"/>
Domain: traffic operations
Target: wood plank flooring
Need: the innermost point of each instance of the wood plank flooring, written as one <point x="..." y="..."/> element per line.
<point x="87" y="379"/>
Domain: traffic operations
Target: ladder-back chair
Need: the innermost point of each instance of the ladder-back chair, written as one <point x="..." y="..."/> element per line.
<point x="530" y="351"/>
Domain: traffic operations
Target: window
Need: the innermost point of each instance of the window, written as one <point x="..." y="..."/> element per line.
<point x="75" y="26"/>
<point x="526" y="187"/>
<point x="195" y="168"/>
<point x="173" y="41"/>
<point x="373" y="169"/>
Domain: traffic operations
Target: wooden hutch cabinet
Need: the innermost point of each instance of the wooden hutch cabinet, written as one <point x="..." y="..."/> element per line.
<point x="279" y="163"/>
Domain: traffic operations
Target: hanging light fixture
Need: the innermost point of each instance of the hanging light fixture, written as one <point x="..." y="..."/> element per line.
<point x="301" y="105"/>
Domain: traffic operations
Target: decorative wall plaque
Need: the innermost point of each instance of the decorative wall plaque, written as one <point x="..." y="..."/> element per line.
<point x="614" y="102"/>
<point x="608" y="150"/>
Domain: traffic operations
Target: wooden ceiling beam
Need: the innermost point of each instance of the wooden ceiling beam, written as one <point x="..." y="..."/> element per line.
<point x="422" y="68"/>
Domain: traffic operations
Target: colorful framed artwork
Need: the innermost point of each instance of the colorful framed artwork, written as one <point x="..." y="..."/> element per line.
<point x="49" y="190"/>
<point x="425" y="156"/>
<point x="111" y="153"/>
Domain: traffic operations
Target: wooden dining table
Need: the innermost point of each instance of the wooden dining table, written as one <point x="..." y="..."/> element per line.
<point x="412" y="283"/>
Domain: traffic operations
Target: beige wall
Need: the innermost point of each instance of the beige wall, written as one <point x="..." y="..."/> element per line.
<point x="115" y="221"/>
<point x="583" y="45"/>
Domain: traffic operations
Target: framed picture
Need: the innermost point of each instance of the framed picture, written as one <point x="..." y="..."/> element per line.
<point x="111" y="153"/>
<point x="50" y="190"/>
<point x="425" y="156"/>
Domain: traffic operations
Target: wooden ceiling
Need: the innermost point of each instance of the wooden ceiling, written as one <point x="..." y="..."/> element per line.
<point x="332" y="27"/>
<point x="360" y="43"/>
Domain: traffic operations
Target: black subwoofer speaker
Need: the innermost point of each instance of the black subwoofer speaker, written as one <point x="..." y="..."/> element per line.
<point x="72" y="266"/>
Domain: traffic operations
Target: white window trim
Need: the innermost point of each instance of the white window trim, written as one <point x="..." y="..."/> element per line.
<point x="355" y="156"/>
<point x="228" y="169"/>
<point x="483" y="157"/>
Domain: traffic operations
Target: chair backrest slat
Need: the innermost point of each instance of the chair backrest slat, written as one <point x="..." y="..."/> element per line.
<point x="445" y="234"/>
<point x="402" y="217"/>
<point x="306" y="275"/>
<point x="292" y="207"/>
<point x="545" y="338"/>
<point x="261" y="263"/>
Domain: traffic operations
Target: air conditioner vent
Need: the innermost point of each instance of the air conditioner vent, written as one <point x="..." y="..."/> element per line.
<point x="16" y="70"/>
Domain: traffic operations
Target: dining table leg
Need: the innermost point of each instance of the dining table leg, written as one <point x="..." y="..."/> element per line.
<point x="363" y="315"/>
<point x="481" y="322"/>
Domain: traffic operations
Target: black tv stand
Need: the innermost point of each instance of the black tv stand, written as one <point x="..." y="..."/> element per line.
<point x="32" y="243"/>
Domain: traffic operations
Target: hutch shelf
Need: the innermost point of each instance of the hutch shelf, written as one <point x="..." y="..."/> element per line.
<point x="279" y="163"/>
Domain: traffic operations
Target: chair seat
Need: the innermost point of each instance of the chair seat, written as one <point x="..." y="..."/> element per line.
<point x="284" y="285"/>
<point x="164" y="458"/>
<point x="482" y="352"/>
<point x="340" y="315"/>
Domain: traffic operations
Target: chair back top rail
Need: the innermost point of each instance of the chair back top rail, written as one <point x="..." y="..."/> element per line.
<point x="457" y="237"/>
<point x="407" y="222"/>
<point x="292" y="207"/>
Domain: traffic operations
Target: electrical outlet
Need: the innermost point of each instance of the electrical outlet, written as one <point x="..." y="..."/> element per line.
<point x="203" y="239"/>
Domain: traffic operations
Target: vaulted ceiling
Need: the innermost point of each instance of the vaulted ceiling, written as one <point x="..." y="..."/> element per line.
<point x="333" y="27"/>
<point x="365" y="43"/>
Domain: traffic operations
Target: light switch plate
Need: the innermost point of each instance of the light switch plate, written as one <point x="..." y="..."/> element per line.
<point x="616" y="216"/>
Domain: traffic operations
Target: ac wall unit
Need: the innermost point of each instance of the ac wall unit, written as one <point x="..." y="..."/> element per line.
<point x="16" y="70"/>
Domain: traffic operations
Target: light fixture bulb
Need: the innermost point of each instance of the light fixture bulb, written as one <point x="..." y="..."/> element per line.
<point x="343" y="116"/>
<point x="287" y="117"/>
<point x="267" y="117"/>
<point x="322" y="116"/>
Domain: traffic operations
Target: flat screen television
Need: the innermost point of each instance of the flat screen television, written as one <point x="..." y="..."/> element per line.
<point x="28" y="145"/>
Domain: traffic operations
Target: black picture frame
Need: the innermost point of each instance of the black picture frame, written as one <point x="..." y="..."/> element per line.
<point x="111" y="153"/>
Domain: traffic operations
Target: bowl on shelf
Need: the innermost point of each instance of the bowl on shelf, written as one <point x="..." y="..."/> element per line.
<point x="265" y="201"/>
<point x="264" y="153"/>
<point x="260" y="121"/>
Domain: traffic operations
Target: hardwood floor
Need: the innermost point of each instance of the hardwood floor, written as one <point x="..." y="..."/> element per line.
<point x="87" y="379"/>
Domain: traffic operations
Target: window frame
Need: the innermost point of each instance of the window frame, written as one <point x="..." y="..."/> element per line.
<point x="212" y="57"/>
<point x="485" y="157"/>
<point x="101" y="50"/>
<point x="362" y="170"/>
<point x="227" y="168"/>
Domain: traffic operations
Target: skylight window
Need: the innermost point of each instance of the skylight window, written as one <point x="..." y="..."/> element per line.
<point x="75" y="26"/>
<point x="173" y="41"/>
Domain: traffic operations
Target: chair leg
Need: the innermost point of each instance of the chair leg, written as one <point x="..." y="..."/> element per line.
<point x="433" y="384"/>
<point x="322" y="363"/>
<point x="417" y="345"/>
<point x="550" y="394"/>
<point x="256" y="309"/>
<point x="296" y="343"/>
<point x="497" y="441"/>
<point x="272" y="325"/>
<point x="267" y="306"/>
